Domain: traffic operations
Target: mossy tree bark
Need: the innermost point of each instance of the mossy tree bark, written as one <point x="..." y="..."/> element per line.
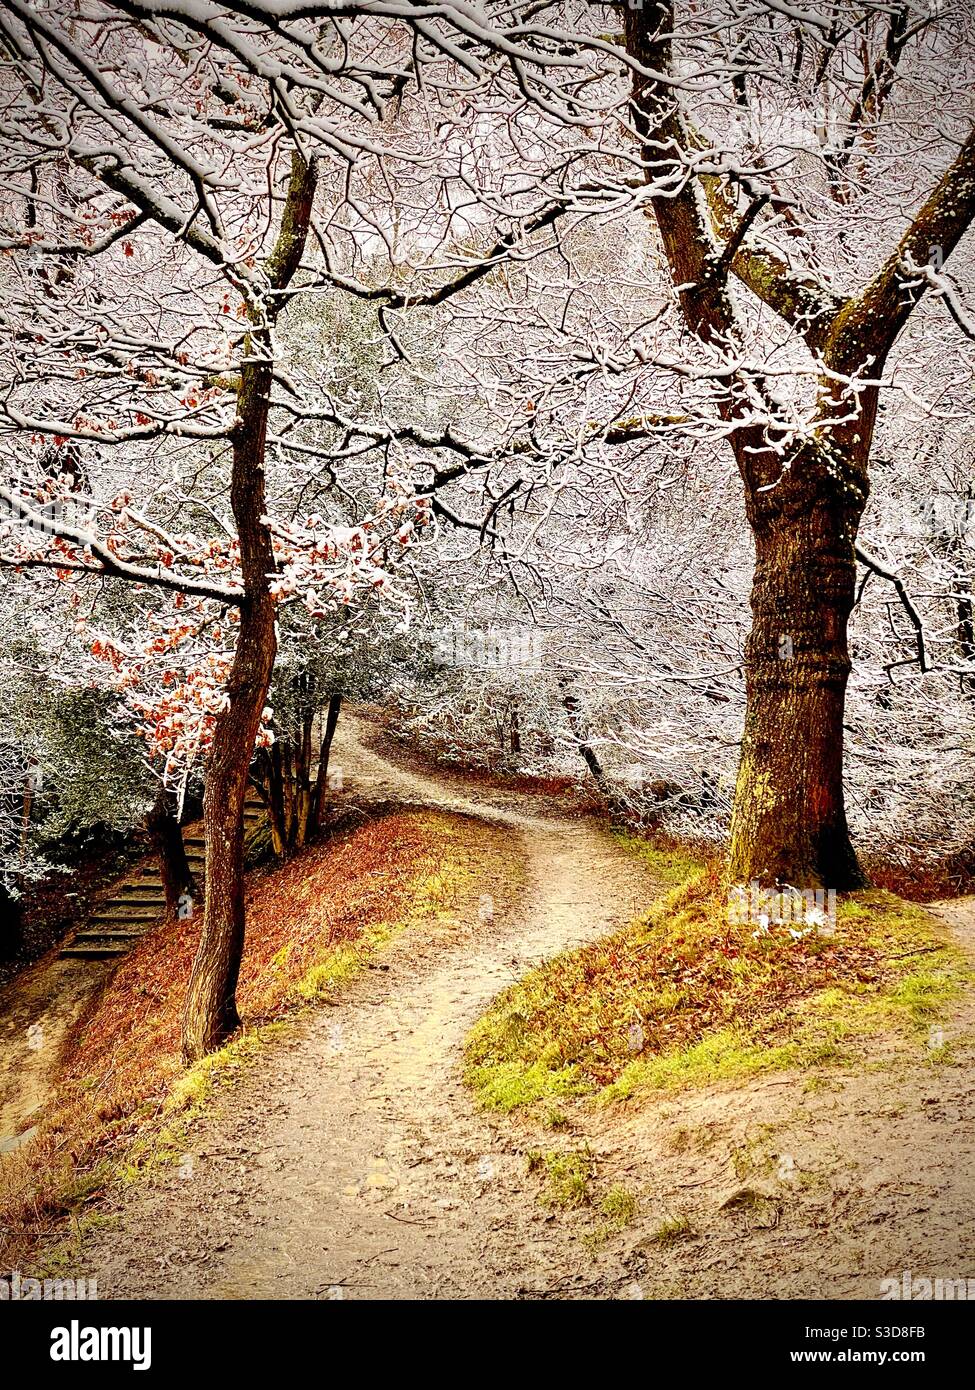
<point x="210" y="1011"/>
<point x="804" y="501"/>
<point x="789" y="820"/>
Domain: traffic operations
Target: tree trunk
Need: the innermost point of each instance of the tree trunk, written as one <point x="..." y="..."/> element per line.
<point x="286" y="749"/>
<point x="961" y="583"/>
<point x="282" y="775"/>
<point x="570" y="704"/>
<point x="321" y="779"/>
<point x="210" y="1012"/>
<point x="789" y="820"/>
<point x="303" y="788"/>
<point x="273" y="792"/>
<point x="167" y="840"/>
<point x="966" y="629"/>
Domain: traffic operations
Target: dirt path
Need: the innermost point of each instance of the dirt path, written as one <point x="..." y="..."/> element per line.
<point x="354" y="1166"/>
<point x="357" y="1160"/>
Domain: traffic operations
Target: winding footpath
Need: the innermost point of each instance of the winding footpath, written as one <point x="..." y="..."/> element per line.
<point x="355" y="1164"/>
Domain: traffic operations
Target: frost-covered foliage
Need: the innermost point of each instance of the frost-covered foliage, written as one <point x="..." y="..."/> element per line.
<point x="819" y="133"/>
<point x="500" y="489"/>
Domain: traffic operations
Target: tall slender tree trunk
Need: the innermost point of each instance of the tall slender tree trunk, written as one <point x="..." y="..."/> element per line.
<point x="210" y="1010"/>
<point x="964" y="610"/>
<point x="789" y="820"/>
<point x="274" y="794"/>
<point x="303" y="786"/>
<point x="282" y="774"/>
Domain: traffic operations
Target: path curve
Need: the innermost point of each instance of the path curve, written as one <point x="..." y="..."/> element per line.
<point x="354" y="1163"/>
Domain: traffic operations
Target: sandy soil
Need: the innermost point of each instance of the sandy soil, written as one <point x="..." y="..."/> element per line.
<point x="353" y="1164"/>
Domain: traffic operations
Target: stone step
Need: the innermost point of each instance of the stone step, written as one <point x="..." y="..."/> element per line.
<point x="128" y="912"/>
<point x="196" y="849"/>
<point x="152" y="897"/>
<point x="102" y="952"/>
<point x="140" y="902"/>
<point x="151" y="878"/>
<point x="92" y="938"/>
<point x="153" y="881"/>
<point x="151" y="866"/>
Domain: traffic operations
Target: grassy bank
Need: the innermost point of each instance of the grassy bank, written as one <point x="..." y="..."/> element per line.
<point x="686" y="997"/>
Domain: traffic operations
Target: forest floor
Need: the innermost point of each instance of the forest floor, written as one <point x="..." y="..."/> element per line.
<point x="353" y="1163"/>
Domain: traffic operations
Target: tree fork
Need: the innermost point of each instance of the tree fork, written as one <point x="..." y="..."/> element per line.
<point x="789" y="822"/>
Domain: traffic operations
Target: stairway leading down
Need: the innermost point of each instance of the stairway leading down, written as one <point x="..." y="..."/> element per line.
<point x="138" y="902"/>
